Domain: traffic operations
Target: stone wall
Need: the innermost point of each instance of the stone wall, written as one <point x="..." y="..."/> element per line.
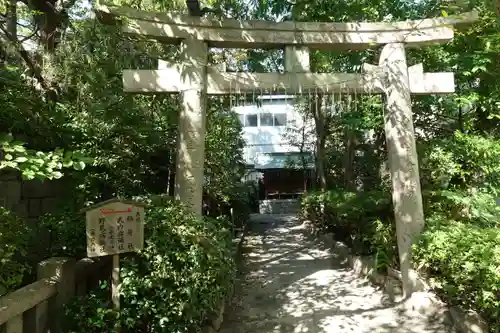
<point x="29" y="198"/>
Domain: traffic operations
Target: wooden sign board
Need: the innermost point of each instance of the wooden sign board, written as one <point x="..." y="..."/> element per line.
<point x="114" y="227"/>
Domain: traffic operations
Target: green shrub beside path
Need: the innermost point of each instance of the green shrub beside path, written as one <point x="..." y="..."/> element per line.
<point x="461" y="257"/>
<point x="173" y="285"/>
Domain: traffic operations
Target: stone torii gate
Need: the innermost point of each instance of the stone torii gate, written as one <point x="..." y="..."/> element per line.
<point x="193" y="79"/>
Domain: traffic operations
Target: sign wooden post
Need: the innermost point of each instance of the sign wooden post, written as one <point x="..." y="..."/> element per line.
<point x="113" y="227"/>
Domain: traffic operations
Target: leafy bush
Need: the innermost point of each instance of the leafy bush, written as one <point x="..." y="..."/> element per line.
<point x="469" y="206"/>
<point x="14" y="239"/>
<point x="244" y="200"/>
<point x="66" y="232"/>
<point x="37" y="164"/>
<point x="462" y="161"/>
<point x="91" y="313"/>
<point x="464" y="261"/>
<point x="363" y="221"/>
<point x="180" y="277"/>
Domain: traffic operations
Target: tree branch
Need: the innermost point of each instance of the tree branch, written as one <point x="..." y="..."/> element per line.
<point x="27" y="59"/>
<point x="24" y="25"/>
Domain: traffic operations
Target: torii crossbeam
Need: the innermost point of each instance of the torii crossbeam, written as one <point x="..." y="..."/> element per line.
<point x="371" y="81"/>
<point x="193" y="79"/>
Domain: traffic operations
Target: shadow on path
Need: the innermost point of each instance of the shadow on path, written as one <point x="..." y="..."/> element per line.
<point x="291" y="283"/>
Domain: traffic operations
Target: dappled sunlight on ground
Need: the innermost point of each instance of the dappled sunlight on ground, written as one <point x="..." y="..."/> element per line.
<point x="291" y="283"/>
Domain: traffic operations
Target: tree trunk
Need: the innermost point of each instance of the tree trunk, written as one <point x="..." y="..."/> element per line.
<point x="349" y="160"/>
<point x="171" y="174"/>
<point x="321" y="132"/>
<point x="50" y="20"/>
<point x="50" y="17"/>
<point x="10" y="31"/>
<point x="303" y="159"/>
<point x="320" y="162"/>
<point x="12" y="19"/>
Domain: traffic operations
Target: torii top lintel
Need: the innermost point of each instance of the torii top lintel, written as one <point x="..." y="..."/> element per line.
<point x="230" y="33"/>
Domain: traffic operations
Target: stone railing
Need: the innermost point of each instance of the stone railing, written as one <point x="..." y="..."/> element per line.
<point x="37" y="307"/>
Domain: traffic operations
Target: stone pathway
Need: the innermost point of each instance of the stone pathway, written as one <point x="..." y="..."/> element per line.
<point x="292" y="284"/>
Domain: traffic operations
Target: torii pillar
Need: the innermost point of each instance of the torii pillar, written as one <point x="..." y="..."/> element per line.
<point x="403" y="159"/>
<point x="400" y="81"/>
<point x="190" y="159"/>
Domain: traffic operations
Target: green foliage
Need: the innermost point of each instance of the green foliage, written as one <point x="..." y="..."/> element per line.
<point x="224" y="166"/>
<point x="464" y="261"/>
<point x="37" y="164"/>
<point x="14" y="239"/>
<point x="471" y="206"/>
<point x="243" y="201"/>
<point x="129" y="141"/>
<point x="66" y="232"/>
<point x="363" y="221"/>
<point x="91" y="313"/>
<point x="462" y="160"/>
<point x="176" y="282"/>
<point x="185" y="269"/>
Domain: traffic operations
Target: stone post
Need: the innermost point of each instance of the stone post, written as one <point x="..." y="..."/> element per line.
<point x="191" y="146"/>
<point x="62" y="271"/>
<point x="403" y="161"/>
<point x="297" y="59"/>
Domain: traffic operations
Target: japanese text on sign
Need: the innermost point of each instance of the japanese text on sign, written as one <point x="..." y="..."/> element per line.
<point x="113" y="228"/>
